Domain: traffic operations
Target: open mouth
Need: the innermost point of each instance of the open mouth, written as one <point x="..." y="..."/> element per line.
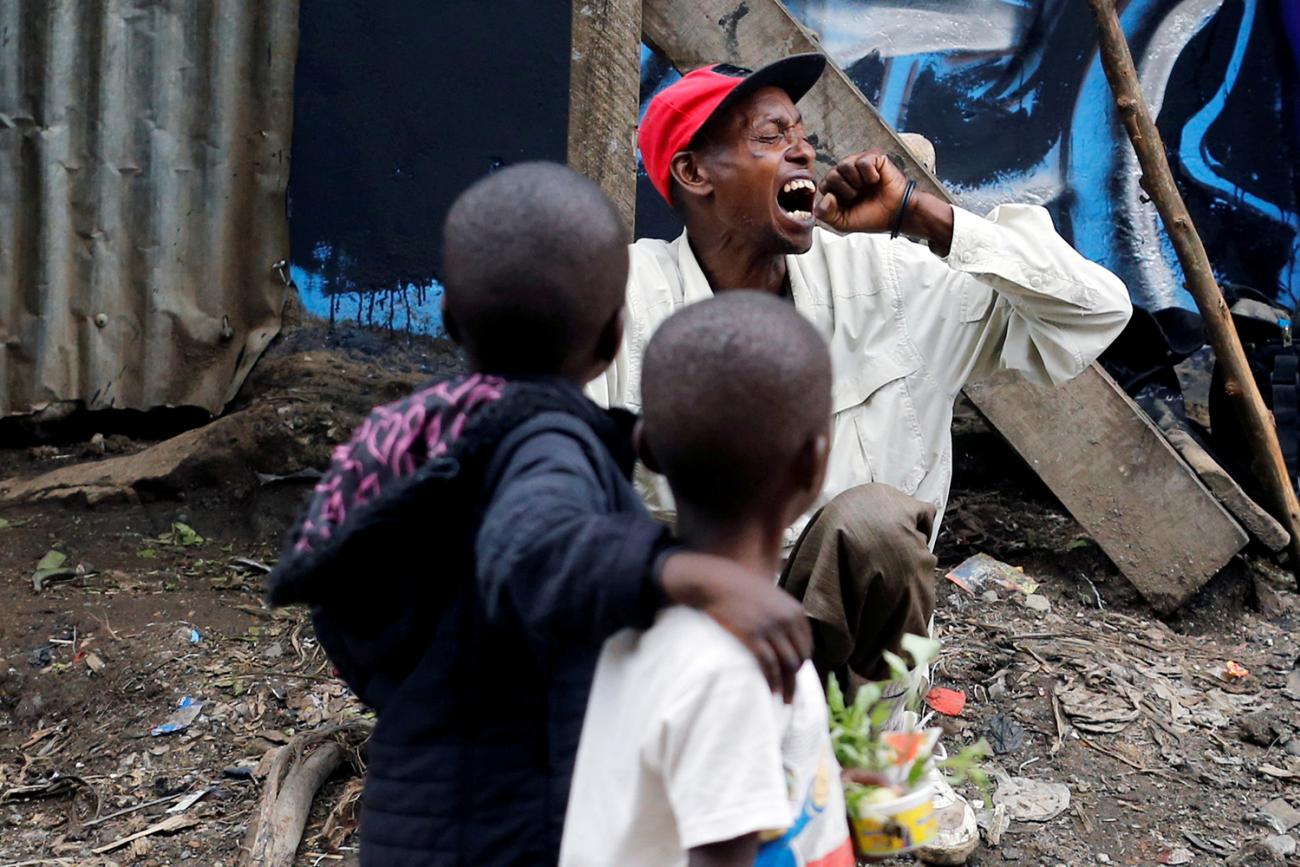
<point x="796" y="199"/>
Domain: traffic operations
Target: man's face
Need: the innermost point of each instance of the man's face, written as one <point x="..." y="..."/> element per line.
<point x="761" y="166"/>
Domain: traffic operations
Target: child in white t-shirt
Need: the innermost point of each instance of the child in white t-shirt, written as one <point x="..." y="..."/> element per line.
<point x="686" y="757"/>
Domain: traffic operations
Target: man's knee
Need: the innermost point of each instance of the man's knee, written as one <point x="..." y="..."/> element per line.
<point x="884" y="524"/>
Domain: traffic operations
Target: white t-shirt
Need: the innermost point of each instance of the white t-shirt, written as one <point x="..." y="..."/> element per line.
<point x="684" y="744"/>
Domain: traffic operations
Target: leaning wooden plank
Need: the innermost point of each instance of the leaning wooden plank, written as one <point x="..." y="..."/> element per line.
<point x="1166" y="554"/>
<point x="1252" y="516"/>
<point x="604" y="88"/>
<point x="1130" y="513"/>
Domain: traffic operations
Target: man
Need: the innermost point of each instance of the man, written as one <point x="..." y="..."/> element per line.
<point x="907" y="327"/>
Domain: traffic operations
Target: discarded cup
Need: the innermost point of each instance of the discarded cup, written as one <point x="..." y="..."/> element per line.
<point x="896" y="826"/>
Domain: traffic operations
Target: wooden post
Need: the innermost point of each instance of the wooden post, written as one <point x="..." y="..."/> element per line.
<point x="1167" y="553"/>
<point x="604" y="97"/>
<point x="1158" y="181"/>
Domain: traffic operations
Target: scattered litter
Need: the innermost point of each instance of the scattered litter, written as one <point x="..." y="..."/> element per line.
<point x="41" y="734"/>
<point x="1281" y="844"/>
<point x="1028" y="800"/>
<point x="1276" y="772"/>
<point x="1282" y="810"/>
<point x="1218" y="848"/>
<point x="42" y="656"/>
<point x="1179" y="855"/>
<point x="993" y="823"/>
<point x="949" y="702"/>
<point x="1234" y="671"/>
<point x="133" y="809"/>
<point x="1293" y="682"/>
<point x="974" y="572"/>
<point x="170" y="825"/>
<point x="1038" y="604"/>
<point x="186" y="712"/>
<point x="990" y="596"/>
<point x="188" y="801"/>
<point x="181" y="534"/>
<point x="1005" y="734"/>
<point x="1263" y="853"/>
<point x="238" y="772"/>
<point x="51" y="568"/>
<point x="1099" y="713"/>
<point x="52" y="788"/>
<point x="305" y="475"/>
<point x="250" y="565"/>
<point x="93" y="662"/>
<point x="188" y="635"/>
<point x="1263" y="728"/>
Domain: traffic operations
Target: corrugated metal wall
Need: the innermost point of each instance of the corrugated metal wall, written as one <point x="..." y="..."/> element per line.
<point x="144" y="152"/>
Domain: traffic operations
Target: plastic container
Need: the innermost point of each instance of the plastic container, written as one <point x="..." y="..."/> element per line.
<point x="896" y="826"/>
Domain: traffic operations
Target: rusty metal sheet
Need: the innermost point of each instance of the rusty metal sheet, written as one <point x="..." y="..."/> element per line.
<point x="144" y="152"/>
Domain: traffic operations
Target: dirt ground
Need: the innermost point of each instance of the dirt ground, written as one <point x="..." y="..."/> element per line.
<point x="1175" y="740"/>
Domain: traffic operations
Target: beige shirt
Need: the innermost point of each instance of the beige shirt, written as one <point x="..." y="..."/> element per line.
<point x="907" y="330"/>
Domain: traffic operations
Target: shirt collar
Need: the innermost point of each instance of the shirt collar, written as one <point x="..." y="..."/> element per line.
<point x="695" y="286"/>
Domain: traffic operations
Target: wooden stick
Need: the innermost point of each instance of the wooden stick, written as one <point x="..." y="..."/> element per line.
<point x="297" y="771"/>
<point x="1158" y="182"/>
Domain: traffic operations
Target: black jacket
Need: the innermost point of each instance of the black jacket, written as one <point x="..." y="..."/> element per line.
<point x="484" y="687"/>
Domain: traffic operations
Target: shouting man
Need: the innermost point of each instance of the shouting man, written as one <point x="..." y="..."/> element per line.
<point x="908" y="325"/>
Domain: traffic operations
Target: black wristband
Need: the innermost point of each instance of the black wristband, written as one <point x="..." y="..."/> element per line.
<point x="902" y="209"/>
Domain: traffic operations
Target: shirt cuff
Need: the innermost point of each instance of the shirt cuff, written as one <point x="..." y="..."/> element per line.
<point x="972" y="239"/>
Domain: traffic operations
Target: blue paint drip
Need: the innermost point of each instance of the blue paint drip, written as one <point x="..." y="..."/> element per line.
<point x="415" y="308"/>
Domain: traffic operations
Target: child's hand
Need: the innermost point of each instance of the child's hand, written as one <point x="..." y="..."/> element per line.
<point x="766" y="619"/>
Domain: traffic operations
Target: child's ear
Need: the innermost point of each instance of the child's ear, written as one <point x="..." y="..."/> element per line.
<point x="611" y="337"/>
<point x="449" y="322"/>
<point x="643" y="448"/>
<point x="691" y="174"/>
<point x="809" y="470"/>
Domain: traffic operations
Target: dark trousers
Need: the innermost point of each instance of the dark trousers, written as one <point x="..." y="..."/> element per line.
<point x="865" y="574"/>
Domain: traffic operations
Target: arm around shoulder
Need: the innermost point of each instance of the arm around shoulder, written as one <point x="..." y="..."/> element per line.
<point x="551" y="554"/>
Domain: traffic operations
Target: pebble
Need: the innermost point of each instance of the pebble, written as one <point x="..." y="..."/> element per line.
<point x="1103" y="858"/>
<point x="1282" y="844"/>
<point x="1038" y="604"/>
<point x="1292" y="747"/>
<point x="989" y="596"/>
<point x="29" y="707"/>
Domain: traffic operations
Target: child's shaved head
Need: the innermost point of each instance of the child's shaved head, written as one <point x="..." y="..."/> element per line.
<point x="732" y="389"/>
<point x="535" y="259"/>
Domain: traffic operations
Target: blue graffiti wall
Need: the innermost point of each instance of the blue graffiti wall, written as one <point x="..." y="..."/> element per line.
<point x="1012" y="95"/>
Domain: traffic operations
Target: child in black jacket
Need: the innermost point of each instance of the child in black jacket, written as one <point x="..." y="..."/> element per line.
<point x="474" y="544"/>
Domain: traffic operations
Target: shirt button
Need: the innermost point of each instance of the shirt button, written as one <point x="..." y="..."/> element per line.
<point x="968" y="257"/>
<point x="1035" y="281"/>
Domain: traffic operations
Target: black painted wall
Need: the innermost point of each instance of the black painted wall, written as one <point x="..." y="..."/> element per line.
<point x="398" y="106"/>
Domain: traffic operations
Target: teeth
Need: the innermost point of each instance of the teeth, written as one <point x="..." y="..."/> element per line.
<point x="799" y="215"/>
<point x="799" y="184"/>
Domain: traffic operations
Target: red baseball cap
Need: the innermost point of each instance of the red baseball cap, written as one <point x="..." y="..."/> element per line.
<point x="678" y="111"/>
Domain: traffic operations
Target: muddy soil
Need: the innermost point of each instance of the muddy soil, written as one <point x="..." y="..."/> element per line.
<point x="1169" y="753"/>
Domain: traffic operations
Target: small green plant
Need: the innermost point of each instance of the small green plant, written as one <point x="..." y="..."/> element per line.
<point x="182" y="535"/>
<point x="900" y="758"/>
